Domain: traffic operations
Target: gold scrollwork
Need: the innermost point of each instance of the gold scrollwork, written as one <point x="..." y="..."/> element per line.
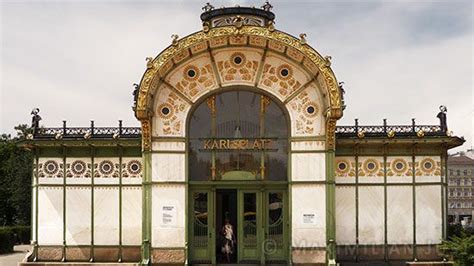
<point x="264" y="102"/>
<point x="331" y="134"/>
<point x="309" y="52"/>
<point x="146" y="134"/>
<point x="211" y="103"/>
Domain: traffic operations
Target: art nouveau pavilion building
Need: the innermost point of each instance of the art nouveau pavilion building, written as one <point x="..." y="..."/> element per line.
<point x="238" y="122"/>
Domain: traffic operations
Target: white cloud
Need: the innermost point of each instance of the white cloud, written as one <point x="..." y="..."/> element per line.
<point x="77" y="60"/>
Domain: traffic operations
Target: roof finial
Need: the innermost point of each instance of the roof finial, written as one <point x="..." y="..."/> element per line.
<point x="208" y="7"/>
<point x="267" y="6"/>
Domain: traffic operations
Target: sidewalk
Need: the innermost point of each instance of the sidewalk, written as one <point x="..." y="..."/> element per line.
<point x="12" y="259"/>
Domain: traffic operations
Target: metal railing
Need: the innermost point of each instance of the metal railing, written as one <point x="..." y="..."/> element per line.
<point x="384" y="130"/>
<point x="93" y="132"/>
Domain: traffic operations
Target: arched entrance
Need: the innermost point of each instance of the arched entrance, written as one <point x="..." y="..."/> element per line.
<point x="238" y="175"/>
<point x="181" y="80"/>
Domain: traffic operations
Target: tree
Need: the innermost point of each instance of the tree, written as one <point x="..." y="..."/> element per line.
<point x="15" y="179"/>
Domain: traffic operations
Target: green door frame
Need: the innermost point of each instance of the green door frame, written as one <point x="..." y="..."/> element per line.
<point x="262" y="189"/>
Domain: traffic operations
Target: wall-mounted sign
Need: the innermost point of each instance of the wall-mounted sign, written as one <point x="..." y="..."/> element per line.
<point x="309" y="218"/>
<point x="168" y="215"/>
<point x="264" y="144"/>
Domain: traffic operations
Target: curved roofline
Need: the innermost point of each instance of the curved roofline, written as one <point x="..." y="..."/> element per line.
<point x="208" y="15"/>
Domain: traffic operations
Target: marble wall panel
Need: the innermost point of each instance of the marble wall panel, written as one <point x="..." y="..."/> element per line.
<point x="168" y="216"/>
<point x="50" y="215"/>
<point x="310" y="145"/>
<point x="106" y="216"/>
<point x="168" y="167"/>
<point x="78" y="216"/>
<point x="33" y="214"/>
<point x="308" y="166"/>
<point x="169" y="146"/>
<point x="429" y="223"/>
<point x="399" y="215"/>
<point x="371" y="215"/>
<point x="308" y="216"/>
<point x="345" y="215"/>
<point x="131" y="215"/>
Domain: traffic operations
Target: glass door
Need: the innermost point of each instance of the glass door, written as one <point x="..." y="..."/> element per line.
<point x="201" y="227"/>
<point x="276" y="226"/>
<point x="250" y="226"/>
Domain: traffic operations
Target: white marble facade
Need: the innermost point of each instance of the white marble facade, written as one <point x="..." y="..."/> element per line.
<point x="397" y="176"/>
<point x="65" y="204"/>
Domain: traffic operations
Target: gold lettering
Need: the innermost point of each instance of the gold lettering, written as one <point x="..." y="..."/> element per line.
<point x="257" y="144"/>
<point x="214" y="145"/>
<point x="243" y="144"/>
<point x="237" y="144"/>
<point x="267" y="144"/>
<point x="223" y="144"/>
<point x="207" y="144"/>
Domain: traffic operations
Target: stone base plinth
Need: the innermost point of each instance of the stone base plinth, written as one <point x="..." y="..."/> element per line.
<point x="309" y="256"/>
<point x="168" y="256"/>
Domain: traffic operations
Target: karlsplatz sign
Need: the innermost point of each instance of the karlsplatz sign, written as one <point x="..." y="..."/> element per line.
<point x="261" y="144"/>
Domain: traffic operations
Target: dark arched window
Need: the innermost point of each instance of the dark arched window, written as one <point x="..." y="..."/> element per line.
<point x="238" y="135"/>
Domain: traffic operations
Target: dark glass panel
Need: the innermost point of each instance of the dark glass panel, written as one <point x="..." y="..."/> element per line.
<point x="276" y="162"/>
<point x="275" y="218"/>
<point x="250" y="220"/>
<point x="200" y="219"/>
<point x="238" y="116"/>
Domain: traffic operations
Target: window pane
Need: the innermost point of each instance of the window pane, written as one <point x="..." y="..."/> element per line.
<point x="250" y="220"/>
<point x="239" y="115"/>
<point x="275" y="218"/>
<point x="200" y="219"/>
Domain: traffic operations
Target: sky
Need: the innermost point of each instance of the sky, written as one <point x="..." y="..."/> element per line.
<point x="77" y="60"/>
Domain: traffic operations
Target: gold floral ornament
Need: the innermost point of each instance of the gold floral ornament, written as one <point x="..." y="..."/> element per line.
<point x="310" y="109"/>
<point x="191" y="73"/>
<point x="420" y="133"/>
<point x="342" y="167"/>
<point x="237" y="67"/>
<point x="391" y="134"/>
<point x="399" y="166"/>
<point x="305" y="123"/>
<point x="428" y="165"/>
<point x="146" y="89"/>
<point x="195" y="80"/>
<point x="281" y="77"/>
<point x="361" y="134"/>
<point x="165" y="110"/>
<point x="371" y="166"/>
<point x="237" y="59"/>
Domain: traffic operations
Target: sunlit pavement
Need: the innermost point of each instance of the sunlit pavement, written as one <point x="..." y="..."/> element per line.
<point x="12" y="259"/>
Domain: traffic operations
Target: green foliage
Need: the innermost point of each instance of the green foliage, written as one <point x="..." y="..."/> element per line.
<point x="7" y="240"/>
<point x="10" y="236"/>
<point x="460" y="248"/>
<point x="22" y="234"/>
<point x="15" y="179"/>
<point x="458" y="230"/>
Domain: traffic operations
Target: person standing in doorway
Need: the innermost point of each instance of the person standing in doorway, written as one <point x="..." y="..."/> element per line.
<point x="229" y="239"/>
